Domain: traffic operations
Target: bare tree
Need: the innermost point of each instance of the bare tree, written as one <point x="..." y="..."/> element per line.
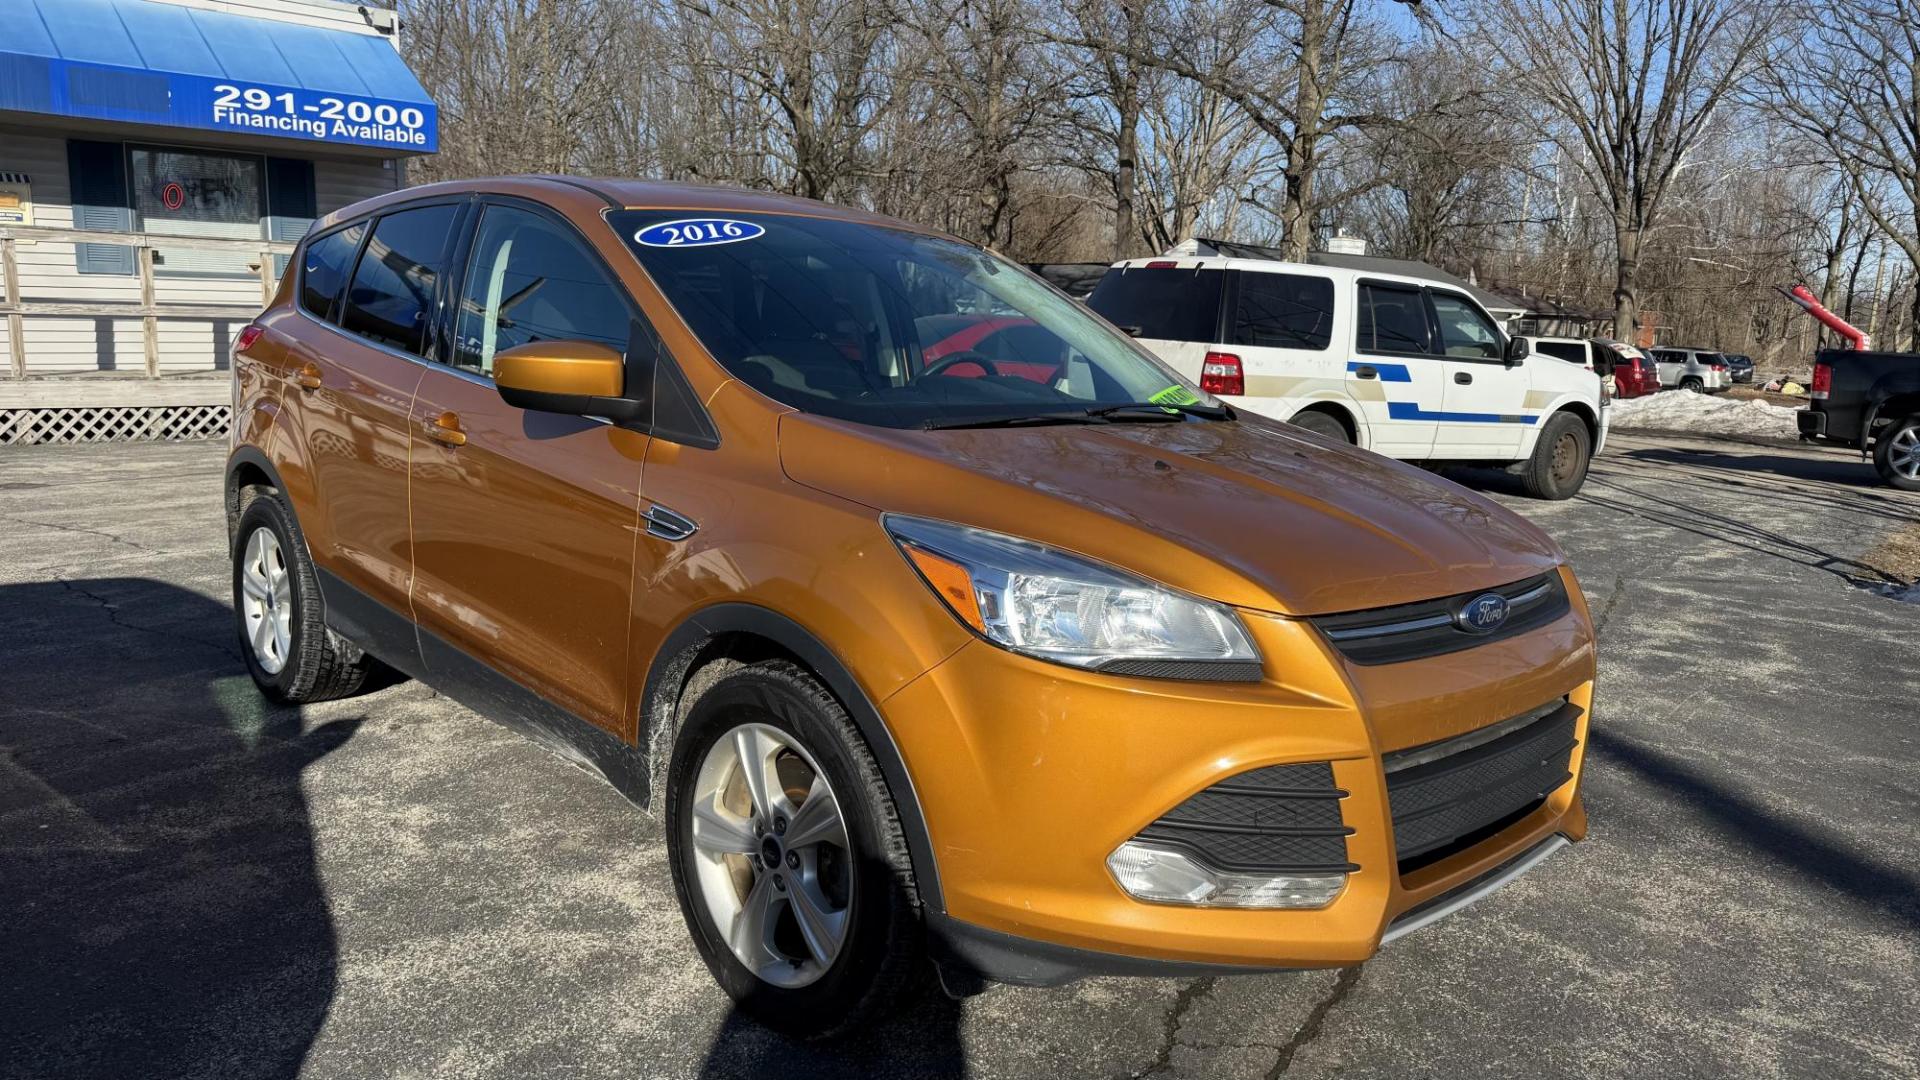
<point x="1848" y="76"/>
<point x="815" y="68"/>
<point x="1628" y="88"/>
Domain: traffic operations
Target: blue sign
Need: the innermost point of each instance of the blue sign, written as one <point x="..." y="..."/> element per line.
<point x="698" y="232"/>
<point x="146" y="96"/>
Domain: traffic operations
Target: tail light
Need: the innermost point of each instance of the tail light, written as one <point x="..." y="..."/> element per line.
<point x="1822" y="381"/>
<point x="1220" y="374"/>
<point x="247" y="336"/>
<point x="1718" y="367"/>
<point x="1163" y="265"/>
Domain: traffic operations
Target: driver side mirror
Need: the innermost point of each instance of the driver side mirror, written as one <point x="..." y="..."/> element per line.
<point x="576" y="378"/>
<point x="1516" y="351"/>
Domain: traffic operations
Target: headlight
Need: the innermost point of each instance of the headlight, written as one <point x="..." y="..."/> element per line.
<point x="1044" y="602"/>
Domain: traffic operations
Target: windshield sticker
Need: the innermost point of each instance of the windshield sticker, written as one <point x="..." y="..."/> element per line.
<point x="1174" y="395"/>
<point x="698" y="232"/>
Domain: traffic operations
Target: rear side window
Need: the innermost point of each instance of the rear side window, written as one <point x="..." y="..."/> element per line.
<point x="530" y="281"/>
<point x="1163" y="304"/>
<point x="392" y="291"/>
<point x="1283" y="311"/>
<point x="1570" y="351"/>
<point x="323" y="269"/>
<point x="1392" y="320"/>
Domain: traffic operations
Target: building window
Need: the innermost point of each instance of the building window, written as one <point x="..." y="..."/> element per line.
<point x="198" y="193"/>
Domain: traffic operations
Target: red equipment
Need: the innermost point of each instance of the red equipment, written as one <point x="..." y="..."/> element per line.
<point x="1800" y="294"/>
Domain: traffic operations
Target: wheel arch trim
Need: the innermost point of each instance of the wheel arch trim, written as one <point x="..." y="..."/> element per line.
<point x="671" y="665"/>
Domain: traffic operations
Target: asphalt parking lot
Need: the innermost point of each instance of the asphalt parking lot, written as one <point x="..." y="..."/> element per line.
<point x="193" y="884"/>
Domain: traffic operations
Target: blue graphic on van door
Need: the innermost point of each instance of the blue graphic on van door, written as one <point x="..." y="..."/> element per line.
<point x="1386" y="372"/>
<point x="698" y="232"/>
<point x="1407" y="410"/>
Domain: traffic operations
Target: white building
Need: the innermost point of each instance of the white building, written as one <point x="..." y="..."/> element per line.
<point x="157" y="160"/>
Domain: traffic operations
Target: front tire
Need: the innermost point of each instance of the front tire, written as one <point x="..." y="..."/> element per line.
<point x="1560" y="459"/>
<point x="1896" y="453"/>
<point x="281" y="619"/>
<point x="788" y="857"/>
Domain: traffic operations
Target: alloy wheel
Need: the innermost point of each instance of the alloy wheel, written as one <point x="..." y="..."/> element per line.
<point x="770" y="855"/>
<point x="266" y="600"/>
<point x="1904" y="455"/>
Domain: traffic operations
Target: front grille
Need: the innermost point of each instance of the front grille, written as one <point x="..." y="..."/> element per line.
<point x="1280" y="819"/>
<point x="1448" y="796"/>
<point x="1390" y="635"/>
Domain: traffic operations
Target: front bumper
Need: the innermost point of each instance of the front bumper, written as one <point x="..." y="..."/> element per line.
<point x="1029" y="774"/>
<point x="1004" y="958"/>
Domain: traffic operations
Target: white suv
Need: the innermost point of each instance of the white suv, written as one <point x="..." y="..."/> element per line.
<point x="1411" y="368"/>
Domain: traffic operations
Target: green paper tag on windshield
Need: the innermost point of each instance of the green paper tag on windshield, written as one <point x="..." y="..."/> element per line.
<point x="1174" y="395"/>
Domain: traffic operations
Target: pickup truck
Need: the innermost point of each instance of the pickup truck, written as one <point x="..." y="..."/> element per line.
<point x="1870" y="401"/>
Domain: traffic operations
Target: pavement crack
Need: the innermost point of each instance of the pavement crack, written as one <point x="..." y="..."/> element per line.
<point x="1310" y="1028"/>
<point x="121" y="540"/>
<point x="1613" y="599"/>
<point x="113" y="616"/>
<point x="1183" y="1003"/>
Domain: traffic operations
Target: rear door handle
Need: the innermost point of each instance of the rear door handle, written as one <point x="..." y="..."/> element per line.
<point x="1462" y="377"/>
<point x="445" y="429"/>
<point x="308" y="376"/>
<point x="1367" y="371"/>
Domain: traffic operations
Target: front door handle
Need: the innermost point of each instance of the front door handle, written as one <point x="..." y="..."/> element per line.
<point x="445" y="429"/>
<point x="1463" y="377"/>
<point x="308" y="376"/>
<point x="1367" y="371"/>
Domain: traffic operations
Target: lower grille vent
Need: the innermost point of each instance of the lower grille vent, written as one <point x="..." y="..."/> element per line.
<point x="1280" y="819"/>
<point x="1450" y="795"/>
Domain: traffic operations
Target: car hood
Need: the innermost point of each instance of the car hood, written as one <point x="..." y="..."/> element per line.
<point x="1253" y="513"/>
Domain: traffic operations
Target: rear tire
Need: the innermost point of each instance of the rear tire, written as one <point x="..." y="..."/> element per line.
<point x="1896" y="453"/>
<point x="1693" y="385"/>
<point x="278" y="611"/>
<point x="770" y="957"/>
<point x="1560" y="458"/>
<point x="1323" y="424"/>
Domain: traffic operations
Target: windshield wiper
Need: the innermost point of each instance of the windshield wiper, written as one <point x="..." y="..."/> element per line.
<point x="1153" y="410"/>
<point x="1016" y="420"/>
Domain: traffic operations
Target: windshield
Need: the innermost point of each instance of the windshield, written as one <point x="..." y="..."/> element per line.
<point x="886" y="326"/>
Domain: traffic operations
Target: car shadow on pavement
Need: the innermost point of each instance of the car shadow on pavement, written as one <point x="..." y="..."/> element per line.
<point x="161" y="908"/>
<point x="1885" y="889"/>
<point x="920" y="1040"/>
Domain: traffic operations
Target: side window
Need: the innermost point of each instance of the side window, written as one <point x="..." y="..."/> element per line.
<point x="391" y="298"/>
<point x="529" y="280"/>
<point x="1392" y="320"/>
<point x="1464" y="331"/>
<point x="1571" y="352"/>
<point x="324" y="266"/>
<point x="1284" y="311"/>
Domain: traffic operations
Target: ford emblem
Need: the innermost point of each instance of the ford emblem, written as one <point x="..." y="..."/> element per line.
<point x="1483" y="614"/>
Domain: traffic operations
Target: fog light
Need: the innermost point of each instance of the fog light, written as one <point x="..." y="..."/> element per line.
<point x="1166" y="876"/>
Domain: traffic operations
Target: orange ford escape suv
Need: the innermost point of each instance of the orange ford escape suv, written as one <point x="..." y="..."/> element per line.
<point x="1022" y="656"/>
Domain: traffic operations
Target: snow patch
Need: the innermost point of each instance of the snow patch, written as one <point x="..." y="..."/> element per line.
<point x="1679" y="410"/>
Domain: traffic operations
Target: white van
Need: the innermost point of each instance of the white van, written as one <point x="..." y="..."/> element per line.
<point x="1404" y="366"/>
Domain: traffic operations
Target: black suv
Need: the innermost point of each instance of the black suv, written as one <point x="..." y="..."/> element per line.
<point x="1869" y="400"/>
